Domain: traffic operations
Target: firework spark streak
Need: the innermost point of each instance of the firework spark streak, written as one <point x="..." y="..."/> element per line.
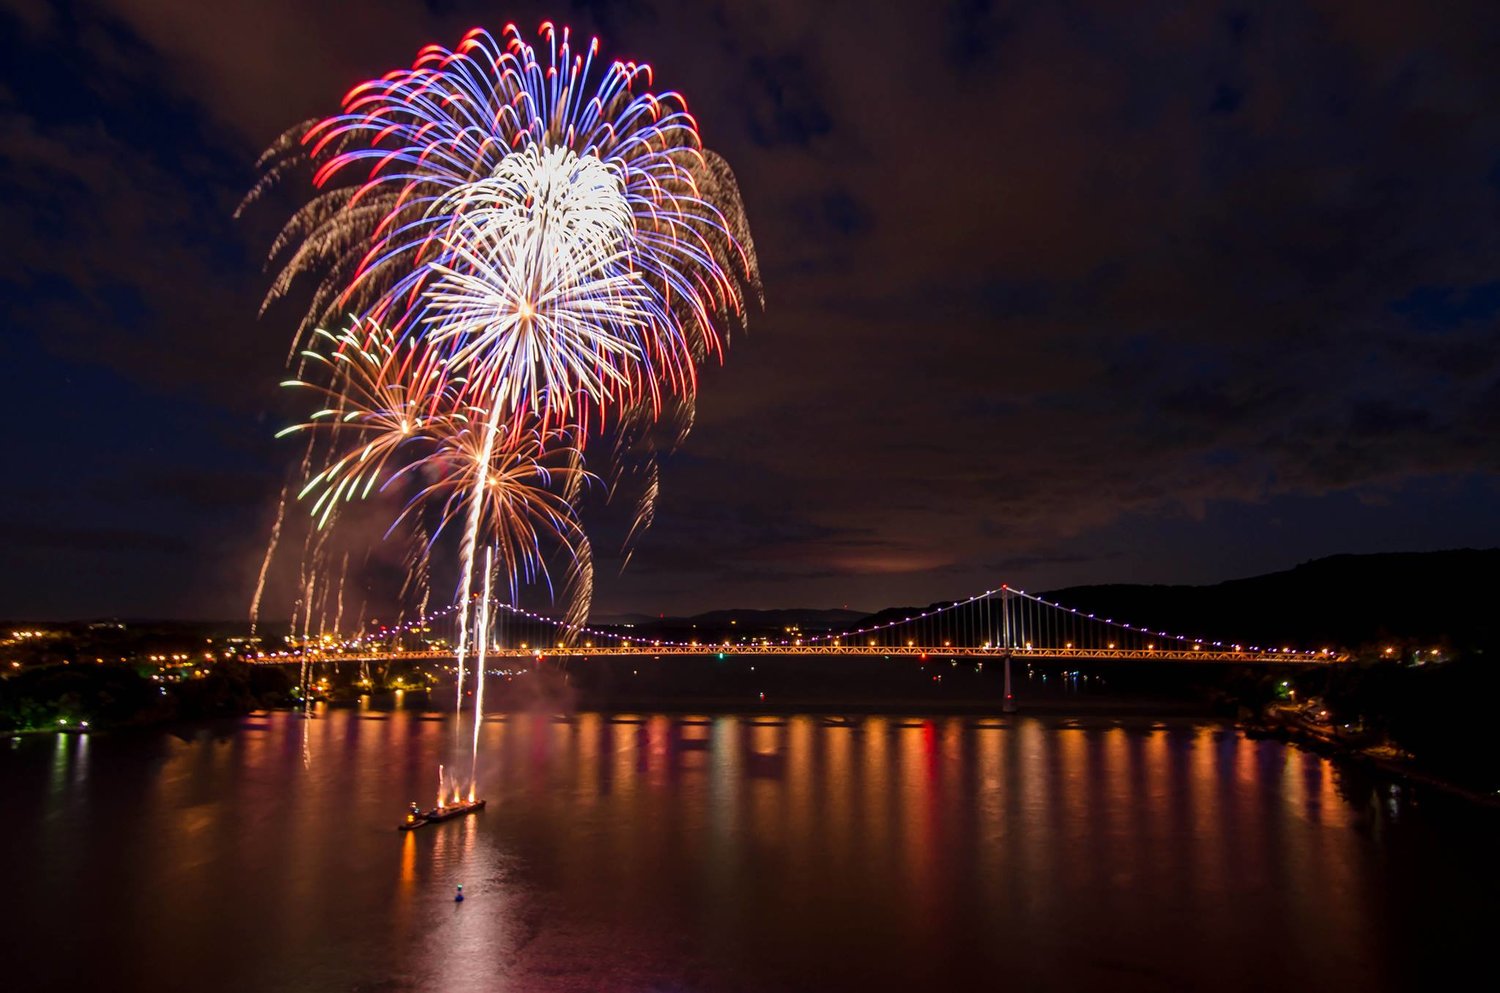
<point x="484" y="640"/>
<point x="523" y="246"/>
<point x="265" y="563"/>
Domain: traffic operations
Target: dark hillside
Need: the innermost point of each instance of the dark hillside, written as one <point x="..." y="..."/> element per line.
<point x="1446" y="597"/>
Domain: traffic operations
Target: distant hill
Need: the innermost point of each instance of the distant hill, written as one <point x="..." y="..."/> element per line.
<point x="741" y="622"/>
<point x="1343" y="600"/>
<point x="782" y="618"/>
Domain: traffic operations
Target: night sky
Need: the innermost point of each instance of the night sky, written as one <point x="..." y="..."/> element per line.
<point x="1056" y="292"/>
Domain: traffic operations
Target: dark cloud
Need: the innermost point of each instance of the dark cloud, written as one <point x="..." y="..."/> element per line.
<point x="45" y="538"/>
<point x="1075" y="291"/>
<point x="1445" y="308"/>
<point x="1226" y="100"/>
<point x="976" y="31"/>
<point x="784" y="102"/>
<point x="186" y="488"/>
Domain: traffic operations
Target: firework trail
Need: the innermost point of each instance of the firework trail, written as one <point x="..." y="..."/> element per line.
<point x="338" y="614"/>
<point x="415" y="588"/>
<point x="484" y="640"/>
<point x="477" y="489"/>
<point x="323" y="594"/>
<point x="302" y="586"/>
<point x="265" y="564"/>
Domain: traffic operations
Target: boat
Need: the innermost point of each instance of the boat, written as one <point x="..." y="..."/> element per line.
<point x="452" y="810"/>
<point x="437" y="815"/>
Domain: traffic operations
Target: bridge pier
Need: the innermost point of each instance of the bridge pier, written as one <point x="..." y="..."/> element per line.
<point x="1009" y="704"/>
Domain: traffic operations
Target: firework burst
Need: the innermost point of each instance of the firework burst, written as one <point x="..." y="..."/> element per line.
<point x="529" y="246"/>
<point x="531" y="215"/>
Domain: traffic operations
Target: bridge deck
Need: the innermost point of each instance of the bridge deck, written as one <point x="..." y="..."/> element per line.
<point x="1221" y="655"/>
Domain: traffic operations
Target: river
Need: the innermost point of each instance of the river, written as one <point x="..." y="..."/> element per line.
<point x="727" y="853"/>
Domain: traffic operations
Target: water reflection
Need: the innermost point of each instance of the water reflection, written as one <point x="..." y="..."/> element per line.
<point x="722" y="852"/>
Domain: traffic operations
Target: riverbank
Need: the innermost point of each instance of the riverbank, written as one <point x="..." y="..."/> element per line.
<point x="1380" y="758"/>
<point x="113" y="696"/>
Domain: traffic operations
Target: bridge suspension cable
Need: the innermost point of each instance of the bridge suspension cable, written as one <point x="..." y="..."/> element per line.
<point x="1002" y="620"/>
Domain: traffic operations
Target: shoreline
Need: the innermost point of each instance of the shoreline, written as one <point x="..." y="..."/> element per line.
<point x="1329" y="745"/>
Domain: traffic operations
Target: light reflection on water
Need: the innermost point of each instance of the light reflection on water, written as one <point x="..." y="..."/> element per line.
<point x="728" y="853"/>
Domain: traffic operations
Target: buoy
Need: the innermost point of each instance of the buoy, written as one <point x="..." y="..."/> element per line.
<point x="459" y="896"/>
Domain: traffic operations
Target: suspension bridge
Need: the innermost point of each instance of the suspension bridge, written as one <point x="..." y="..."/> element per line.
<point x="1004" y="623"/>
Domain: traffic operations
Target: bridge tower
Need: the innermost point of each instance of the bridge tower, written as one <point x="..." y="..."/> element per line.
<point x="1008" y="705"/>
